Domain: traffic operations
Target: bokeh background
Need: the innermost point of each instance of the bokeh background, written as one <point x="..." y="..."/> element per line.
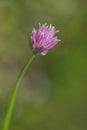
<point x="53" y="93"/>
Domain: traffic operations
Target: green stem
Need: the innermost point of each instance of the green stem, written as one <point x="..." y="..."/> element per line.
<point x="14" y="92"/>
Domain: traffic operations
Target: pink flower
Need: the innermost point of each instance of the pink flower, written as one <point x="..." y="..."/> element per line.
<point x="43" y="39"/>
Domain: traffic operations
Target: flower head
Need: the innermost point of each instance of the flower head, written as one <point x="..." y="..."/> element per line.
<point x="43" y="39"/>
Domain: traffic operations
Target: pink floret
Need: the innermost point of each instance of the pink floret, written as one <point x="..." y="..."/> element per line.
<point x="43" y="39"/>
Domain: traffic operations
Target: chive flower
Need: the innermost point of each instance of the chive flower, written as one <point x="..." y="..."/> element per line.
<point x="43" y="39"/>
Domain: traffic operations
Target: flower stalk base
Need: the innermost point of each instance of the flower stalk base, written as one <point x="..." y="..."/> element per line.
<point x="14" y="93"/>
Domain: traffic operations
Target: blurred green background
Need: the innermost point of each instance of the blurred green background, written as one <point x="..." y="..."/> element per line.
<point x="53" y="93"/>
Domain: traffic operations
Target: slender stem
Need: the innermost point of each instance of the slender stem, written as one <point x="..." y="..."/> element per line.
<point x="14" y="92"/>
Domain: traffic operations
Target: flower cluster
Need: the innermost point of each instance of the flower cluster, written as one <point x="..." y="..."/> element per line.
<point x="43" y="39"/>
